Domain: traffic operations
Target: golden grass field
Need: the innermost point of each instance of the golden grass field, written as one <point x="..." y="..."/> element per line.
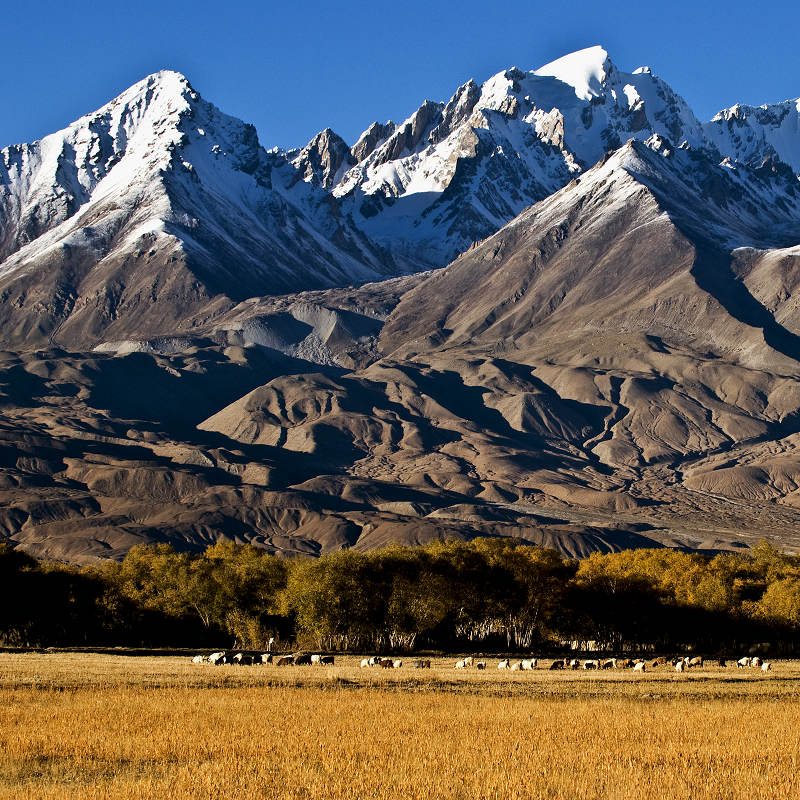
<point x="109" y="726"/>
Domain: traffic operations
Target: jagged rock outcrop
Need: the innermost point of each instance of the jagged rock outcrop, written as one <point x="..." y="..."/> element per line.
<point x="323" y="159"/>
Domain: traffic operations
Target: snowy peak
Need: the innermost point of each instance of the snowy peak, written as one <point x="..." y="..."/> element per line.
<point x="45" y="183"/>
<point x="454" y="172"/>
<point x="729" y="205"/>
<point x="161" y="187"/>
<point x="752" y="134"/>
<point x="585" y="71"/>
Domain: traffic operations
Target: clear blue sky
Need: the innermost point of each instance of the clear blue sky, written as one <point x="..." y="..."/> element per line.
<point x="295" y="68"/>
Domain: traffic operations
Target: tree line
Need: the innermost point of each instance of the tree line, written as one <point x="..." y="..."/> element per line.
<point x="488" y="594"/>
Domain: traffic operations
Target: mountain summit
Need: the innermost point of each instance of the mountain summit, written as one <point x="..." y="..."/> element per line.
<point x="136" y="217"/>
<point x="454" y="172"/>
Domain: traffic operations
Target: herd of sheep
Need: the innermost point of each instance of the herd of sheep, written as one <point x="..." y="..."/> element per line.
<point x="297" y="659"/>
<point x="637" y="665"/>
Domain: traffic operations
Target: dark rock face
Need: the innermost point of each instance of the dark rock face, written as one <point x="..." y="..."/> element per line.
<point x="323" y="158"/>
<point x="407" y="137"/>
<point x="370" y="139"/>
<point x="456" y="112"/>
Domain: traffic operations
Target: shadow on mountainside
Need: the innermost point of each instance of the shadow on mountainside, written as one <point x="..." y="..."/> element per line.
<point x="713" y="272"/>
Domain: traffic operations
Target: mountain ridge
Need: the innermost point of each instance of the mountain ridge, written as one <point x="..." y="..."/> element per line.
<point x="614" y="365"/>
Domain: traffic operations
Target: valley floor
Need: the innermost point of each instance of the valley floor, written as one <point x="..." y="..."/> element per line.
<point x="95" y="726"/>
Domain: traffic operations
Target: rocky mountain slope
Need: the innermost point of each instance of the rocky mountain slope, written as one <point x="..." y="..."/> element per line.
<point x="617" y="366"/>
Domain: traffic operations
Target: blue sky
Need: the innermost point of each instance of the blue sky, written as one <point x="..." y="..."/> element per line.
<point x="295" y="68"/>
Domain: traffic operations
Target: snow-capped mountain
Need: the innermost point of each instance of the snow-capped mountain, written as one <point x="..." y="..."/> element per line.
<point x="158" y="212"/>
<point x="455" y="172"/>
<point x="752" y="134"/>
<point x="159" y="199"/>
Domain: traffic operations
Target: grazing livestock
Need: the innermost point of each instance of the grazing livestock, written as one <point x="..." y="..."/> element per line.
<point x="365" y="663"/>
<point x="528" y="663"/>
<point x="743" y="662"/>
<point x="284" y="661"/>
<point x="558" y="664"/>
<point x="504" y="664"/>
<point x="657" y="662"/>
<point x="326" y="660"/>
<point x="516" y="666"/>
<point x="697" y="661"/>
<point x="460" y="664"/>
<point x="480" y="665"/>
<point x="591" y="664"/>
<point x="217" y="658"/>
<point x="266" y="658"/>
<point x="374" y="661"/>
<point x="386" y="663"/>
<point x="198" y="659"/>
<point x="242" y="658"/>
<point x="315" y="659"/>
<point x="301" y="659"/>
<point x="755" y="661"/>
<point x="397" y="663"/>
<point x="423" y="663"/>
<point x="680" y="666"/>
<point x="609" y="663"/>
<point x="766" y="666"/>
<point x="574" y="664"/>
<point x="626" y="663"/>
<point x="640" y="666"/>
<point x="469" y="661"/>
<point x="721" y="662"/>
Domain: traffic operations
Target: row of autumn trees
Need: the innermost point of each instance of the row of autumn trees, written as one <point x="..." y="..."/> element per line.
<point x="489" y="594"/>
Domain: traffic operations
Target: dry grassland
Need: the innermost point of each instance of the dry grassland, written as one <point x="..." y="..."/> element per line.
<point x="92" y="726"/>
